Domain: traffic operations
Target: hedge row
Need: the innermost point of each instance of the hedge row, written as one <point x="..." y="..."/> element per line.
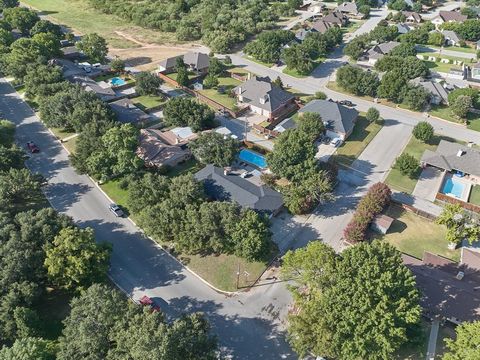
<point x="372" y="204"/>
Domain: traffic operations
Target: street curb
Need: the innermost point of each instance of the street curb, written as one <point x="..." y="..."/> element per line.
<point x="230" y="293"/>
<point x="151" y="239"/>
<point x="402" y="109"/>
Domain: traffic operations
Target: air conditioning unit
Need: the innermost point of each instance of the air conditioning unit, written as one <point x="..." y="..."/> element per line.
<point x="460" y="275"/>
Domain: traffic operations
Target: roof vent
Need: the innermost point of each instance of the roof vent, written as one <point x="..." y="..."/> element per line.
<point x="460" y="153"/>
<point x="263" y="99"/>
<point x="460" y="275"/>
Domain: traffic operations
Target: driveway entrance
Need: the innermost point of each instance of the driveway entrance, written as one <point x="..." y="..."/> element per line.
<point x="428" y="183"/>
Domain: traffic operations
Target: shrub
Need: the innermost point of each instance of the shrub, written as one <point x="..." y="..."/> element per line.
<point x="407" y="165"/>
<point x="423" y="131"/>
<point x="373" y="115"/>
<point x="373" y="203"/>
<point x="461" y="106"/>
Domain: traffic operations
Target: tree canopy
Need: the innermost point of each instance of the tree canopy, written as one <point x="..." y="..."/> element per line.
<point x="465" y="346"/>
<point x="331" y="292"/>
<point x="94" y="47"/>
<point x="182" y="111"/>
<point x="147" y="83"/>
<point x="214" y="148"/>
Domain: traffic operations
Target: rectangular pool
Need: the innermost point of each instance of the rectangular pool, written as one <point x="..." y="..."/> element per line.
<point x="253" y="158"/>
<point x="453" y="188"/>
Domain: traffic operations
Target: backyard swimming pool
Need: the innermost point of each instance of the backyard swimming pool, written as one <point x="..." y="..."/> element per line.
<point x="253" y="158"/>
<point x="116" y="81"/>
<point x="453" y="188"/>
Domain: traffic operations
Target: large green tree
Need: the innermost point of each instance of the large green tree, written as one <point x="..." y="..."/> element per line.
<point x="182" y="111"/>
<point x="39" y="77"/>
<point x="466" y="344"/>
<point x="362" y="303"/>
<point x="29" y="348"/>
<point x="24" y="53"/>
<point x="147" y="83"/>
<point x="75" y="261"/>
<point x="147" y="191"/>
<point x="214" y="148"/>
<point x="94" y="47"/>
<point x="19" y="189"/>
<point x="7" y="131"/>
<point x="20" y="18"/>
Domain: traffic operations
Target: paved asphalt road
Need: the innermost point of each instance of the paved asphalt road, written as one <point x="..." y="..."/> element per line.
<point x="246" y="323"/>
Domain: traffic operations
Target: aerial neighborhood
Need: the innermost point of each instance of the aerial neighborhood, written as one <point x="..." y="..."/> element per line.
<point x="239" y="180"/>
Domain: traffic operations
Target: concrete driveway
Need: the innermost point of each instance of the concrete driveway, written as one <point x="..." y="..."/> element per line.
<point x="428" y="183"/>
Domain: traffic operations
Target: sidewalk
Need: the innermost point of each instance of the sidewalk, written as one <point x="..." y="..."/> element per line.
<point x="419" y="204"/>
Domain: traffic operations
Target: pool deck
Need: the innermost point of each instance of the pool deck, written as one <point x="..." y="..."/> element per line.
<point x="428" y="184"/>
<point x="466" y="190"/>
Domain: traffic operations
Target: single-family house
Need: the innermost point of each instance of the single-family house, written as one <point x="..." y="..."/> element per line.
<point x="348" y="8"/>
<point x="339" y="120"/>
<point x="438" y="94"/>
<point x="195" y="61"/>
<point x="380" y="50"/>
<point x="475" y="71"/>
<point x="265" y="98"/>
<point x="404" y="28"/>
<point x="302" y="33"/>
<point x="442" y="293"/>
<point x="222" y="185"/>
<point x="104" y="93"/>
<point x="336" y="18"/>
<point x="321" y="26"/>
<point x="156" y="152"/>
<point x="448" y="16"/>
<point x="451" y="38"/>
<point x="412" y="17"/>
<point x="316" y="7"/>
<point x="285" y="125"/>
<point x="127" y="112"/>
<point x="453" y="157"/>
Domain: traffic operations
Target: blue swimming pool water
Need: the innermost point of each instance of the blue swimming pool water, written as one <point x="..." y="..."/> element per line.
<point x="452" y="187"/>
<point x="252" y="157"/>
<point x="116" y="81"/>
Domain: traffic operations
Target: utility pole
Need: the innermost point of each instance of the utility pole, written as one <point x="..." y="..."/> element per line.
<point x="238" y="274"/>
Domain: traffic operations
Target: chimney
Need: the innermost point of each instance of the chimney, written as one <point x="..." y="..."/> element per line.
<point x="226" y="171"/>
<point x="460" y="153"/>
<point x="263" y="99"/>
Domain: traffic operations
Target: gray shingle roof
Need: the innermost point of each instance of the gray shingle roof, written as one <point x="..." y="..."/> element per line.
<point x="341" y="117"/>
<point x="321" y="26"/>
<point x="446" y="157"/>
<point x="258" y="88"/>
<point x="127" y="112"/>
<point x="348" y="7"/>
<point x="335" y="18"/>
<point x="452" y="16"/>
<point x="197" y="60"/>
<point x="451" y="35"/>
<point x="286" y="124"/>
<point x="234" y="188"/>
<point x="382" y="49"/>
<point x="432" y="87"/>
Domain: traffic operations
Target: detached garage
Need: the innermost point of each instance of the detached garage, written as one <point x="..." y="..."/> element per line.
<point x="339" y="120"/>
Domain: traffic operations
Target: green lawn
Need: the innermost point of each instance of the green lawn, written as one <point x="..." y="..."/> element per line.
<point x="362" y="134"/>
<point x="412" y="234"/>
<point x="467" y="49"/>
<point x="174" y="75"/>
<point x="221" y="270"/>
<point x="116" y="193"/>
<point x="80" y="16"/>
<point x="475" y="195"/>
<point x="147" y="102"/>
<point x="71" y="145"/>
<point x="61" y="133"/>
<point x="258" y="61"/>
<point x="190" y="166"/>
<point x="438" y="56"/>
<point x="227" y="83"/>
<point x="415" y="148"/>
<point x="441" y="67"/>
<point x="443" y="112"/>
<point x="352" y="26"/>
<point x="332" y="85"/>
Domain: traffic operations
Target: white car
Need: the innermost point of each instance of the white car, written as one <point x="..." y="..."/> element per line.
<point x="116" y="210"/>
<point x="336" y="142"/>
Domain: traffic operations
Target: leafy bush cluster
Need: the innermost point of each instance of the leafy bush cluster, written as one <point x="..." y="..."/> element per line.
<point x="182" y="111"/>
<point x="293" y="158"/>
<point x="468" y="30"/>
<point x="220" y="24"/>
<point x="176" y="211"/>
<point x="372" y="204"/>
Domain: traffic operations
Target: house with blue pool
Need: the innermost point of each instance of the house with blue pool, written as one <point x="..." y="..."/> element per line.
<point x="459" y="166"/>
<point x="244" y="188"/>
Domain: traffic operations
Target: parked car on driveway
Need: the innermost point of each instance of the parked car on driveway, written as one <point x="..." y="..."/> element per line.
<point x="116" y="210"/>
<point x="346" y="103"/>
<point x="336" y="142"/>
<point x="32" y="147"/>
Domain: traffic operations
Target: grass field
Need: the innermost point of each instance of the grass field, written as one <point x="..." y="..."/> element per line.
<point x="78" y="15"/>
<point x="412" y="234"/>
<point x="441" y="67"/>
<point x="228" y="83"/>
<point x="475" y="195"/>
<point x="61" y="133"/>
<point x="415" y="148"/>
<point x="146" y="102"/>
<point x="466" y="49"/>
<point x="362" y="134"/>
<point x="443" y="112"/>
